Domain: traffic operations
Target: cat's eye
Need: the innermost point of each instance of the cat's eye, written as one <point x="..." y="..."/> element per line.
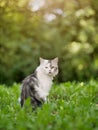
<point x="56" y="68"/>
<point x="52" y="67"/>
<point x="46" y="67"/>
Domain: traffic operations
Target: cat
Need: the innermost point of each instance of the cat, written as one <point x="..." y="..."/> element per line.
<point x="37" y="85"/>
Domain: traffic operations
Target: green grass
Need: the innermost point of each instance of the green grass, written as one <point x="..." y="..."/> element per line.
<point x="72" y="106"/>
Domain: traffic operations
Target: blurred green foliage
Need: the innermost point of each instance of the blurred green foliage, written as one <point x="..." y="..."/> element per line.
<point x="71" y="106"/>
<point x="67" y="29"/>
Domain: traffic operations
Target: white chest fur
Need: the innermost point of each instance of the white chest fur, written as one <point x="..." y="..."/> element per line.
<point x="44" y="85"/>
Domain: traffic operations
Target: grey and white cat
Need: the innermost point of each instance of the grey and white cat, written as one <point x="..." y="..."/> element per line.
<point x="37" y="85"/>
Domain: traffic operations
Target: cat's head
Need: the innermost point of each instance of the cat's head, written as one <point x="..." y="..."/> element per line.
<point x="49" y="67"/>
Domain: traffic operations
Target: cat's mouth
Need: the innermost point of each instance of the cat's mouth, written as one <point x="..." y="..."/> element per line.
<point x="50" y="73"/>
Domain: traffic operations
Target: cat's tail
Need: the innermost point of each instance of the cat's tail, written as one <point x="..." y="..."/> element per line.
<point x="21" y="101"/>
<point x="25" y="93"/>
<point x="22" y="98"/>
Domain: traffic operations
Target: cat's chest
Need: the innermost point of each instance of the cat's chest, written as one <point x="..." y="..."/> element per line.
<point x="45" y="84"/>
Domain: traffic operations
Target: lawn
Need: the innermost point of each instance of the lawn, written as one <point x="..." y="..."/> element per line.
<point x="71" y="106"/>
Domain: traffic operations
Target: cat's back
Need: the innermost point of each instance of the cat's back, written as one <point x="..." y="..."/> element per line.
<point x="28" y="87"/>
<point x="30" y="81"/>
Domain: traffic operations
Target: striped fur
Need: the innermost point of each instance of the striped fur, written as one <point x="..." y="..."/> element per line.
<point x="37" y="85"/>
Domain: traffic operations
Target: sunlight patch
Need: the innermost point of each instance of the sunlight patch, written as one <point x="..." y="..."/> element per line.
<point x="37" y="4"/>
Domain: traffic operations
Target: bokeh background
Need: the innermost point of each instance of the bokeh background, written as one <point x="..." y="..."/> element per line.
<point x="30" y="29"/>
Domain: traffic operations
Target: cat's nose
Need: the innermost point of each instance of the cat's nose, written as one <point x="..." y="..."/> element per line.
<point x="50" y="72"/>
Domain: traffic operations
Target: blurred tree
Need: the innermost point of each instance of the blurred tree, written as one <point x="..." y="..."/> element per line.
<point x="63" y="28"/>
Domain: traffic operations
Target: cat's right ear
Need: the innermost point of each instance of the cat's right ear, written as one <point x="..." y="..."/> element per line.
<point x="41" y="60"/>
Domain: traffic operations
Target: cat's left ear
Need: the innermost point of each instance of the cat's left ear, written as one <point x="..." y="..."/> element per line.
<point x="55" y="60"/>
<point x="41" y="60"/>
